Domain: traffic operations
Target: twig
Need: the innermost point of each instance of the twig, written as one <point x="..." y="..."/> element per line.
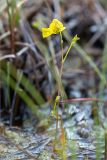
<point x="7" y="56"/>
<point x="81" y="100"/>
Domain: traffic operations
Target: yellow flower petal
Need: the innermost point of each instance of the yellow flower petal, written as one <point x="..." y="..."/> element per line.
<point x="56" y="26"/>
<point x="46" y="32"/>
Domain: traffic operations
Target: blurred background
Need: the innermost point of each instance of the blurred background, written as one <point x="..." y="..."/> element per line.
<point x="30" y="74"/>
<point x="29" y="64"/>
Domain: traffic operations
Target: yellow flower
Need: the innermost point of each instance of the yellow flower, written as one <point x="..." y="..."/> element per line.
<point x="55" y="27"/>
<point x="46" y="32"/>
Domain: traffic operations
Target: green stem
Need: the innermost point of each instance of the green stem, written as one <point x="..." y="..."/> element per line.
<point x="62" y="55"/>
<point x="74" y="40"/>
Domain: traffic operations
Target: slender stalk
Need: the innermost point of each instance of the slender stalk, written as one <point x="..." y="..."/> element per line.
<point x="55" y="110"/>
<point x="74" y="40"/>
<point x="62" y="64"/>
<point x="105" y="145"/>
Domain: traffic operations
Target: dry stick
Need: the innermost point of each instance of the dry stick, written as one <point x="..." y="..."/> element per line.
<point x="7" y="56"/>
<point x="81" y="100"/>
